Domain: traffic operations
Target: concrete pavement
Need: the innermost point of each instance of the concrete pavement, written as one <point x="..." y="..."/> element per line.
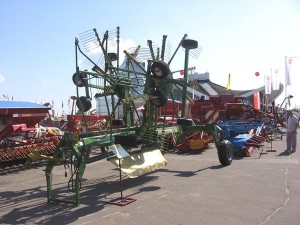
<point x="191" y="189"/>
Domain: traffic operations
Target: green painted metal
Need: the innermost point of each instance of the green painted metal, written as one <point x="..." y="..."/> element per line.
<point x="75" y="149"/>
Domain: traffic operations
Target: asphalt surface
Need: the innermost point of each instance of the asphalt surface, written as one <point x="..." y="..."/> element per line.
<point x="191" y="189"/>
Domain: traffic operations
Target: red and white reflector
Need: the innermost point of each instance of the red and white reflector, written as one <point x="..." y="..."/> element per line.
<point x="212" y="117"/>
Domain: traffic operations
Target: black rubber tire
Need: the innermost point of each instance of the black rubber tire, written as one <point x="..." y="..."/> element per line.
<point x="126" y="140"/>
<point x="185" y="122"/>
<point x="189" y="43"/>
<point x="225" y="152"/>
<point x="80" y="82"/>
<point x="3" y="165"/>
<point x="112" y="56"/>
<point x="160" y="101"/>
<point x="103" y="149"/>
<point x="160" y="69"/>
<point x="85" y="103"/>
<point x="117" y="122"/>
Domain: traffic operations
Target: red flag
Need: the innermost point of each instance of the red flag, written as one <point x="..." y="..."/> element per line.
<point x="181" y="72"/>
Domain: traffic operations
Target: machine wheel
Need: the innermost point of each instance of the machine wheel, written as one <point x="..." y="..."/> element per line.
<point x="185" y="122"/>
<point x="126" y="140"/>
<point x="79" y="80"/>
<point x="85" y="103"/>
<point x="225" y="152"/>
<point x="160" y="69"/>
<point x="103" y="149"/>
<point x="117" y="122"/>
<point x="112" y="56"/>
<point x="161" y="99"/>
<point x="189" y="43"/>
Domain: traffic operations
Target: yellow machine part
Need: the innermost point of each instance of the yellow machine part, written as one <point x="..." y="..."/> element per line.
<point x="196" y="144"/>
<point x="139" y="163"/>
<point x="49" y="131"/>
<point x="35" y="156"/>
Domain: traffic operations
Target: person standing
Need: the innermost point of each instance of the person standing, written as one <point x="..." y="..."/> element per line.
<point x="297" y="115"/>
<point x="291" y="132"/>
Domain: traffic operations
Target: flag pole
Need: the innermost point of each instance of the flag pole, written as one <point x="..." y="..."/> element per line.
<point x="285" y="87"/>
<point x="272" y="80"/>
<point x="285" y="80"/>
<point x="228" y="82"/>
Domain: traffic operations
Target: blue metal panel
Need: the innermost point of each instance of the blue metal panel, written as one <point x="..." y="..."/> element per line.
<point x="18" y="104"/>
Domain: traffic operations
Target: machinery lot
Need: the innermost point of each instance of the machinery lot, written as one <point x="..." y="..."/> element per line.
<point x="191" y="189"/>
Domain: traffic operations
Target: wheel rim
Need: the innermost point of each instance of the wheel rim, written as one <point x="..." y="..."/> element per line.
<point x="78" y="80"/>
<point x="157" y="70"/>
<point x="84" y="104"/>
<point x="159" y="100"/>
<point x="160" y="69"/>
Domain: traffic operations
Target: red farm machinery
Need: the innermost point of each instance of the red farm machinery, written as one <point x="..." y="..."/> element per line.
<point x="242" y="124"/>
<point x="20" y="132"/>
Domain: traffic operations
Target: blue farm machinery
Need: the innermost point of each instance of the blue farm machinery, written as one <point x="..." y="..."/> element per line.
<point x="243" y="125"/>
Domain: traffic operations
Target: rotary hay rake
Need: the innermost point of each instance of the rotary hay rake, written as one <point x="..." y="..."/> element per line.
<point x="129" y="83"/>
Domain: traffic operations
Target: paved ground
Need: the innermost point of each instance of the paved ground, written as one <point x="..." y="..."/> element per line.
<point x="191" y="189"/>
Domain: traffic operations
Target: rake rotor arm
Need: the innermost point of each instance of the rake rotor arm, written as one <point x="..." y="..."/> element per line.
<point x="157" y="55"/>
<point x="179" y="45"/>
<point x="128" y="71"/>
<point x="110" y="79"/>
<point x="184" y="88"/>
<point x="134" y="60"/>
<point x="90" y="59"/>
<point x="104" y="38"/>
<point x="107" y="59"/>
<point x="151" y="49"/>
<point x="136" y="52"/>
<point x="163" y="47"/>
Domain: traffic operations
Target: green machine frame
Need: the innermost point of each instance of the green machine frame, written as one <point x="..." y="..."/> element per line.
<point x="157" y="80"/>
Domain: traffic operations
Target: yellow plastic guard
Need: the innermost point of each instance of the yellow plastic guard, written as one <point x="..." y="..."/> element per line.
<point x="196" y="144"/>
<point x="49" y="131"/>
<point x="140" y="163"/>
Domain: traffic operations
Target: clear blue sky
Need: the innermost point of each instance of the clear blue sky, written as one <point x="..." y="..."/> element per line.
<point x="240" y="37"/>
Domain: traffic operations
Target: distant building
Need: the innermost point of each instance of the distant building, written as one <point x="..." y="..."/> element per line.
<point x="199" y="85"/>
<point x="137" y="82"/>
